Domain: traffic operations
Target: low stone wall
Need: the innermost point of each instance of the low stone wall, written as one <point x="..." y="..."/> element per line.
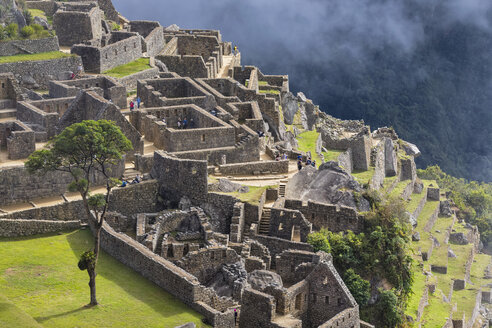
<point x="17" y="47"/>
<point x="20" y="186"/>
<point x="407" y="192"/>
<point x="277" y="245"/>
<point x="49" y="7"/>
<point x="130" y="81"/>
<point x="144" y="163"/>
<point x="135" y="198"/>
<point x="432" y="220"/>
<point x="15" y="228"/>
<point x="259" y="167"/>
<point x="419" y="208"/>
<point x="422" y="304"/>
<point x="67" y="211"/>
<point x="347" y="318"/>
<point x="166" y="275"/>
<point x="42" y="71"/>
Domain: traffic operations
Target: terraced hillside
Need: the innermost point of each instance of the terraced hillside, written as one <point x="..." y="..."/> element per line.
<point x="450" y="278"/>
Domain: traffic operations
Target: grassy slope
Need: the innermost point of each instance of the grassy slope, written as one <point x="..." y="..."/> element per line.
<point x="33" y="57"/>
<point x="40" y="276"/>
<point x="12" y="316"/>
<point x="136" y="66"/>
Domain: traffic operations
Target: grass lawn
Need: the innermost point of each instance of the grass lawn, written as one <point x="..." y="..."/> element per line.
<point x="136" y="66"/>
<point x="398" y="190"/>
<point x="12" y="316"/>
<point x="418" y="290"/>
<point x="262" y="83"/>
<point x="364" y="176"/>
<point x="252" y="196"/>
<point x="307" y="142"/>
<point x="41" y="14"/>
<point x="436" y="312"/>
<point x="480" y="263"/>
<point x="39" y="276"/>
<point x="388" y="181"/>
<point x="270" y="91"/>
<point x="33" y="57"/>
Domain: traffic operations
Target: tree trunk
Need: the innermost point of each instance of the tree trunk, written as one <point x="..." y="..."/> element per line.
<point x="92" y="285"/>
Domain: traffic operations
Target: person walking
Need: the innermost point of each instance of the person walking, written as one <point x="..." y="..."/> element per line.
<point x="185" y="123"/>
<point x="299" y="165"/>
<point x="138" y="102"/>
<point x="132" y="105"/>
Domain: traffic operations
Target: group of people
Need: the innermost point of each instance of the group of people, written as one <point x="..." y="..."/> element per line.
<point x="283" y="157"/>
<point x="137" y="179"/>
<point x="309" y="162"/>
<point x="185" y="124"/>
<point x="137" y="101"/>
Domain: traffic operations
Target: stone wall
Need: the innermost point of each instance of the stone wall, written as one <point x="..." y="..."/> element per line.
<point x="192" y="66"/>
<point x="20" y="139"/>
<point x="166" y="275"/>
<point x="130" y="81"/>
<point x="15" y="228"/>
<point x="377" y="160"/>
<point x="180" y="177"/>
<point x="153" y="36"/>
<point x="348" y="318"/>
<point x="31" y="115"/>
<point x="136" y="198"/>
<point x="16" y="47"/>
<point x="20" y="186"/>
<point x="76" y="23"/>
<point x="285" y="223"/>
<point x="100" y="59"/>
<point x="278" y="245"/>
<point x="257" y="309"/>
<point x="49" y="7"/>
<point x="335" y="218"/>
<point x="254" y="168"/>
<point x="42" y="71"/>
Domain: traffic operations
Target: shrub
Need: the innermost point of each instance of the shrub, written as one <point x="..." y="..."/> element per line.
<point x="37" y="28"/>
<point x="387" y="309"/>
<point x="27" y="31"/>
<point x="359" y="288"/>
<point x="115" y="26"/>
<point x="319" y="242"/>
<point x="12" y="30"/>
<point x="28" y="17"/>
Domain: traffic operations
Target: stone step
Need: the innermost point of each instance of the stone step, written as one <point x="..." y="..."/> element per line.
<point x="8" y="113"/>
<point x="6" y="104"/>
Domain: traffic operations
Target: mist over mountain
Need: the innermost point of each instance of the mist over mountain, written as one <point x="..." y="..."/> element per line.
<point x="422" y="66"/>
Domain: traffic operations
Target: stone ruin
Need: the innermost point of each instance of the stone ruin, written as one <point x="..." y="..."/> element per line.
<point x="202" y="244"/>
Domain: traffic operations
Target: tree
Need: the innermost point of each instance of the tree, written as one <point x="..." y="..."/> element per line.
<point x="319" y="242"/>
<point x="387" y="309"/>
<point x="81" y="150"/>
<point x="359" y="288"/>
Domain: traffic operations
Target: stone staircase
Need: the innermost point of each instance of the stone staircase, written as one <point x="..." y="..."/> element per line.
<point x="7" y="109"/>
<point x="130" y="173"/>
<point x="265" y="221"/>
<point x="281" y="188"/>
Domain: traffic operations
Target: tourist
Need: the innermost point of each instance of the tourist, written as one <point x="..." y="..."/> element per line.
<point x="179" y="123"/>
<point x="132" y="105"/>
<point x="192" y="124"/>
<point x="123" y="183"/>
<point x="313" y="163"/>
<point x="299" y="157"/>
<point x="139" y="101"/>
<point x="277" y="157"/>
<point x="235" y="317"/>
<point x="308" y="161"/>
<point x="284" y="157"/>
<point x="73" y="76"/>
<point x="137" y="179"/>
<point x="235" y="50"/>
<point x="185" y="123"/>
<point x="299" y="165"/>
<point x="164" y="121"/>
<point x="261" y="134"/>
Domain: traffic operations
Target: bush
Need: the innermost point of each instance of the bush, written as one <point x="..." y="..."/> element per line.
<point x="27" y="31"/>
<point x="37" y="28"/>
<point x="359" y="288"/>
<point x="115" y="26"/>
<point x="387" y="309"/>
<point x="319" y="242"/>
<point x="12" y="30"/>
<point x="28" y="17"/>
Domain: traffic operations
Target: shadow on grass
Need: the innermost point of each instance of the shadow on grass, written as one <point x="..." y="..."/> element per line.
<point x="42" y="319"/>
<point x="121" y="275"/>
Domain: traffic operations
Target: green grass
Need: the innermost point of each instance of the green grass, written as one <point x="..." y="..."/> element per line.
<point x="436" y="312"/>
<point x="136" y="66"/>
<point x="307" y="142"/>
<point x="477" y="274"/>
<point x="425" y="214"/>
<point x="33" y="57"/>
<point x="465" y="300"/>
<point x="12" y="316"/>
<point x="364" y="176"/>
<point x="332" y="155"/>
<point x="39" y="275"/>
<point x="270" y="91"/>
<point x="387" y="182"/>
<point x="262" y="83"/>
<point x="418" y="291"/>
<point x="398" y="190"/>
<point x="252" y="196"/>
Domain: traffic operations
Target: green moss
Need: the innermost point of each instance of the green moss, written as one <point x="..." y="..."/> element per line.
<point x="33" y="57"/>
<point x="39" y="275"/>
<point x="270" y="91"/>
<point x="136" y="66"/>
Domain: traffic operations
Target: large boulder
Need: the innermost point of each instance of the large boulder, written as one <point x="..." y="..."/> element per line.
<point x="187" y="325"/>
<point x="223" y="281"/>
<point x="330" y="184"/>
<point x="289" y="107"/>
<point x="262" y="279"/>
<point x="390" y="162"/>
<point x="309" y="111"/>
<point x="225" y="185"/>
<point x="445" y="208"/>
<point x="411" y="149"/>
<point x="41" y="21"/>
<point x="458" y="238"/>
